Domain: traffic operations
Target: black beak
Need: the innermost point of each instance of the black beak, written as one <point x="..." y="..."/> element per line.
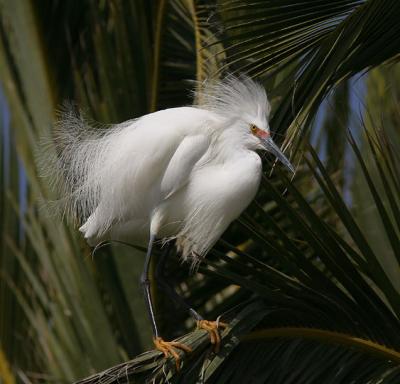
<point x="270" y="146"/>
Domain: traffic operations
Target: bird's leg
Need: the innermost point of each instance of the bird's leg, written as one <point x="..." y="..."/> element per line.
<point x="212" y="327"/>
<point x="145" y="283"/>
<point x="166" y="347"/>
<point x="164" y="283"/>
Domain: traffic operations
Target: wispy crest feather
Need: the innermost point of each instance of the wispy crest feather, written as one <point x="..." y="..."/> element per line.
<point x="233" y="96"/>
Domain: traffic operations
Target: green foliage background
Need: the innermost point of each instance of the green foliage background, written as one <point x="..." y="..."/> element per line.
<point x="308" y="277"/>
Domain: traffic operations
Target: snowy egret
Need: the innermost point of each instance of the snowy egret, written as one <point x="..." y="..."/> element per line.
<point x="180" y="173"/>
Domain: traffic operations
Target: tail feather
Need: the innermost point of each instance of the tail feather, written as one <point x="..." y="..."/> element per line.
<point x="73" y="162"/>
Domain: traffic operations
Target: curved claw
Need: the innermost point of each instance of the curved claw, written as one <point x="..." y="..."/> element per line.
<point x="168" y="349"/>
<point x="212" y="327"/>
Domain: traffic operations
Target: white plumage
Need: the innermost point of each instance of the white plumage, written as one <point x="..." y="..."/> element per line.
<point x="183" y="173"/>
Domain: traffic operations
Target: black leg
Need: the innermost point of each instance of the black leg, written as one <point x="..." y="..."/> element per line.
<point x="145" y="283"/>
<point x="164" y="283"/>
<point x="168" y="347"/>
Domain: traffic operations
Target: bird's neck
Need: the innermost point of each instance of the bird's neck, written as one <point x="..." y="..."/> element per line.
<point x="230" y="150"/>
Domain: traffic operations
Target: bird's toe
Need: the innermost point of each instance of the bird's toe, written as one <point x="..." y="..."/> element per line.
<point x="213" y="327"/>
<point x="168" y="348"/>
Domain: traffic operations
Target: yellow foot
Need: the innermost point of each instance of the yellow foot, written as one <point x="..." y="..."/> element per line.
<point x="212" y="327"/>
<point x="168" y="349"/>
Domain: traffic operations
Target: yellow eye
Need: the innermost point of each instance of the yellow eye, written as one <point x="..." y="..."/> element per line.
<point x="253" y="128"/>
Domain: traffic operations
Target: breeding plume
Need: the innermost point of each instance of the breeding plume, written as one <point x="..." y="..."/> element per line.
<point x="180" y="174"/>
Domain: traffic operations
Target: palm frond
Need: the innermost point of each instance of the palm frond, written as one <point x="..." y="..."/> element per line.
<point x="328" y="42"/>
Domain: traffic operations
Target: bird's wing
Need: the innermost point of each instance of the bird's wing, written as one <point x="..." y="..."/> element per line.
<point x="178" y="171"/>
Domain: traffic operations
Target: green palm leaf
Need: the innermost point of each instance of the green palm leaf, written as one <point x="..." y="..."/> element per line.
<point x="327" y="42"/>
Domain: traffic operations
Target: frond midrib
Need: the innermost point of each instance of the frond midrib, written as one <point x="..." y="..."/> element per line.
<point x="325" y="336"/>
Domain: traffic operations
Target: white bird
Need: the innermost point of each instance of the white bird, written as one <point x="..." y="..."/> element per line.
<point x="180" y="173"/>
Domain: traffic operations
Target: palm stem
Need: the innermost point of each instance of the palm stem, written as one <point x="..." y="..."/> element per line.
<point x="157" y="55"/>
<point x="325" y="336"/>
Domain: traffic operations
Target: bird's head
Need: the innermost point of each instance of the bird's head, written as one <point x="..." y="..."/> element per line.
<point x="244" y="105"/>
<point x="259" y="137"/>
